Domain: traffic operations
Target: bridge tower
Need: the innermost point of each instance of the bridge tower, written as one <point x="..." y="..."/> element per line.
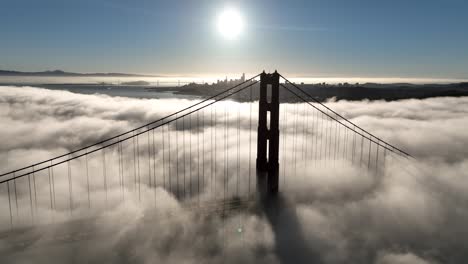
<point x="268" y="133"/>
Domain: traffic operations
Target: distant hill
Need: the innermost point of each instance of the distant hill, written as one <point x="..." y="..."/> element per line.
<point x="59" y="73"/>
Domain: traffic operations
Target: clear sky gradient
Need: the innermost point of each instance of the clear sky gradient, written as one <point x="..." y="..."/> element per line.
<point x="360" y="38"/>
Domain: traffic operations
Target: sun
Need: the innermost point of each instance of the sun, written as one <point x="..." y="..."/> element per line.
<point x="230" y="23"/>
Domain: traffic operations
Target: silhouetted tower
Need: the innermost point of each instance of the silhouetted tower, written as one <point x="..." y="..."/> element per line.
<point x="268" y="132"/>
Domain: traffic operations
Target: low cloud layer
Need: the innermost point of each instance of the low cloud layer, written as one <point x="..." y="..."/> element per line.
<point x="412" y="212"/>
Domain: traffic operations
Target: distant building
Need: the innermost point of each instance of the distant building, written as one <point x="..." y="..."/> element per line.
<point x="220" y="83"/>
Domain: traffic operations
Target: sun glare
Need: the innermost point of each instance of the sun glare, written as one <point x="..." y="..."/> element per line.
<point x="230" y="23"/>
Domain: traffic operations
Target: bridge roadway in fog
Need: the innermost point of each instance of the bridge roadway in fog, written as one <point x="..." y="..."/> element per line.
<point x="76" y="231"/>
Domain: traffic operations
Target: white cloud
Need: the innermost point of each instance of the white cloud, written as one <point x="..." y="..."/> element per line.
<point x="341" y="215"/>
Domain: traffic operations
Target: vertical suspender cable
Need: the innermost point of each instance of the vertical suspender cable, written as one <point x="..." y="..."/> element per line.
<point x="169" y="160"/>
<point x="377" y="159"/>
<point x="16" y="198"/>
<point x="70" y="186"/>
<point x="284" y="154"/>
<point x="306" y="138"/>
<point x="336" y="142"/>
<point x="104" y="172"/>
<point x="345" y="144"/>
<point x="183" y="153"/>
<point x="303" y="132"/>
<point x="138" y="167"/>
<point x="329" y="137"/>
<point x="316" y="129"/>
<point x="35" y="192"/>
<point x="191" y="156"/>
<point x="119" y="163"/>
<point x="362" y="151"/>
<point x="87" y="178"/>
<point x="212" y="154"/>
<point x="149" y="159"/>
<point x="164" y="157"/>
<point x="295" y="139"/>
<point x="250" y="139"/>
<point x="225" y="153"/>
<point x="50" y="192"/>
<point x="238" y="147"/>
<point x="354" y="144"/>
<point x="368" y="161"/>
<point x="203" y="148"/>
<point x="9" y="202"/>
<point x="177" y="156"/>
<point x="53" y="186"/>
<point x="134" y="164"/>
<point x="227" y="150"/>
<point x="215" y="147"/>
<point x="30" y="199"/>
<point x="198" y="156"/>
<point x="154" y="170"/>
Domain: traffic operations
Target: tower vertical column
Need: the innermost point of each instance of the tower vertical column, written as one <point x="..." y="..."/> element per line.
<point x="268" y="131"/>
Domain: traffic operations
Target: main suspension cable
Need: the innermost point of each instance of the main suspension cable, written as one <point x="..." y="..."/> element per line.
<point x="363" y="130"/>
<point x="138" y="128"/>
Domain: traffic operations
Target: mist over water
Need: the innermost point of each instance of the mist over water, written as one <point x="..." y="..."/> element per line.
<point x="413" y="213"/>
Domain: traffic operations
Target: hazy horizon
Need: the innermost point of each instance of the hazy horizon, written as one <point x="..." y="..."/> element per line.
<point x="213" y="78"/>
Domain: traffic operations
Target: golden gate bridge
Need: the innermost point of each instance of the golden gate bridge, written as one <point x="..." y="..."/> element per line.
<point x="216" y="153"/>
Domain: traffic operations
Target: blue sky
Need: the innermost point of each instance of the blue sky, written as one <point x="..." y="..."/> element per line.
<point x="366" y="38"/>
